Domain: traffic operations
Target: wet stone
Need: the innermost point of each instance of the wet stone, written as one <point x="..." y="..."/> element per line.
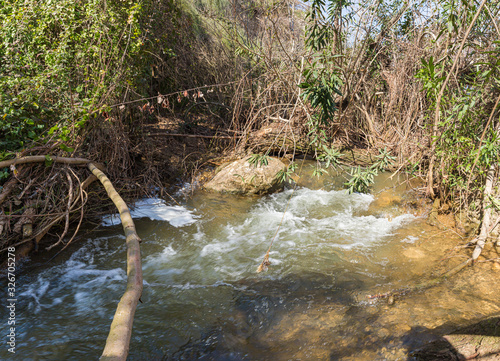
<point x="383" y="333"/>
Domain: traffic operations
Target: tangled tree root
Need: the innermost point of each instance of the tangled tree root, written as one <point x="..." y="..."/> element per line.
<point x="118" y="341"/>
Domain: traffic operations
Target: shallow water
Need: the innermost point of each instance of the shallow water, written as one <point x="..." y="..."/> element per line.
<point x="203" y="299"/>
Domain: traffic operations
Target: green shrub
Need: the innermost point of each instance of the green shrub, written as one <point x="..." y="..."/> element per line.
<point x="61" y="62"/>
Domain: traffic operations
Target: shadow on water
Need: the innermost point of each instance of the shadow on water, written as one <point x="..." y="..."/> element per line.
<point x="259" y="311"/>
<point x="311" y="317"/>
<point x="479" y="341"/>
<point x="226" y="344"/>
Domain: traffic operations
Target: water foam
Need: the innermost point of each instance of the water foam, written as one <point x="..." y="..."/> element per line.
<point x="315" y="221"/>
<point x="79" y="278"/>
<point x="155" y="209"/>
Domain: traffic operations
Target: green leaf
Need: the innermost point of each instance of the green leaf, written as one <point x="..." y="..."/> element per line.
<point x="48" y="160"/>
<point x="66" y="148"/>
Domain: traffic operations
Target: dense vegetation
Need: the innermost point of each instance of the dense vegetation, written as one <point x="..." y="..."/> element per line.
<point x="414" y="80"/>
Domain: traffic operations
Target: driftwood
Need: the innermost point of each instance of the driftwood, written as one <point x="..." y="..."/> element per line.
<point x="118" y="341"/>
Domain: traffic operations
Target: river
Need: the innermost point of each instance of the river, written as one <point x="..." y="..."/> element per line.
<point x="203" y="299"/>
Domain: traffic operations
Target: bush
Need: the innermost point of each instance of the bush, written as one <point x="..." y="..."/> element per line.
<point x="61" y="62"/>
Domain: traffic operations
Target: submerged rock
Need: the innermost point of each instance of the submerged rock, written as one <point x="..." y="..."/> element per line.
<point x="241" y="177"/>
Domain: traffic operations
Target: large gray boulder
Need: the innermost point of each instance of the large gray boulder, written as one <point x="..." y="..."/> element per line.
<point x="241" y="177"/>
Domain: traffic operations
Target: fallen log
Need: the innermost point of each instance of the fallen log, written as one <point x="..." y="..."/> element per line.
<point x="118" y="341"/>
<point x="43" y="158"/>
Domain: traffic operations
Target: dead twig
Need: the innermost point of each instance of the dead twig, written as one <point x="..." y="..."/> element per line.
<point x="66" y="215"/>
<point x="194" y="136"/>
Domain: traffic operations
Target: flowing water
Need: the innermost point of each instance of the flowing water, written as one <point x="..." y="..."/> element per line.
<point x="203" y="299"/>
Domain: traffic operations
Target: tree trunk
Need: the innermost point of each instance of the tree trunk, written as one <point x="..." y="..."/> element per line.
<point x="43" y="158"/>
<point x="486" y="213"/>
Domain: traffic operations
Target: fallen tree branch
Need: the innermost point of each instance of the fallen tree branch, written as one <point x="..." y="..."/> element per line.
<point x="194" y="136"/>
<point x="118" y="341"/>
<point x="43" y="158"/>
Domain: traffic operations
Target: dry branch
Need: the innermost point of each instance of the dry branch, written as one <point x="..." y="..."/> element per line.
<point x="118" y="341"/>
<point x="42" y="158"/>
